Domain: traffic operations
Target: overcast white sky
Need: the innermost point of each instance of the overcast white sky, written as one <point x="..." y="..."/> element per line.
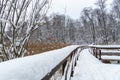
<point x="73" y="7"/>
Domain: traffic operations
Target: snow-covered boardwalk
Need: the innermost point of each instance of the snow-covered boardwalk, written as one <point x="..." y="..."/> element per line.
<point x="34" y="67"/>
<point x="37" y="67"/>
<point x="90" y="68"/>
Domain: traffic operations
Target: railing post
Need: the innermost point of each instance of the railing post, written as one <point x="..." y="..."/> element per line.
<point x="73" y="57"/>
<point x="99" y="54"/>
<point x="118" y="61"/>
<point x="63" y="67"/>
<point x="95" y="52"/>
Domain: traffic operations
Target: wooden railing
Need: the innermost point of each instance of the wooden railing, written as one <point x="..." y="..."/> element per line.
<point x="67" y="65"/>
<point x="99" y="51"/>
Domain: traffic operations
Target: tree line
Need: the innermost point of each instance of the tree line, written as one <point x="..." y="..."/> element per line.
<point x="98" y="25"/>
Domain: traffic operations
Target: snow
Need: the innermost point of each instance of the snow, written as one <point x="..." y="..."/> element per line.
<point x="33" y="67"/>
<point x="110" y="57"/>
<point x="110" y="51"/>
<point x="90" y="68"/>
<point x="105" y="46"/>
<point x="0" y="45"/>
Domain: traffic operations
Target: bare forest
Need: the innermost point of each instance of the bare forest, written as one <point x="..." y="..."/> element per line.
<point x="25" y="28"/>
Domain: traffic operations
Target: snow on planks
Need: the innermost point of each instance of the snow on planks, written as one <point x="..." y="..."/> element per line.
<point x="90" y="68"/>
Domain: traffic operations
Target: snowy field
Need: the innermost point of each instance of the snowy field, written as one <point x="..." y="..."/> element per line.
<point x="90" y="68"/>
<point x="33" y="67"/>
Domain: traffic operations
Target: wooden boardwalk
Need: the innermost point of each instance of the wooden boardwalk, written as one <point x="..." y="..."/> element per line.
<point x="68" y="65"/>
<point x="90" y="68"/>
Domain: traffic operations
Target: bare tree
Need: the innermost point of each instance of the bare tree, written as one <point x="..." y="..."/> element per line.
<point x="88" y="12"/>
<point x="22" y="16"/>
<point x="116" y="8"/>
<point x="102" y="18"/>
<point x="113" y="30"/>
<point x="72" y="30"/>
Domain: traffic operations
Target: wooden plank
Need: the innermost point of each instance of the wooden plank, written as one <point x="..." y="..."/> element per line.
<point x="1" y="55"/>
<point x="110" y="52"/>
<point x="110" y="59"/>
<point x="107" y="51"/>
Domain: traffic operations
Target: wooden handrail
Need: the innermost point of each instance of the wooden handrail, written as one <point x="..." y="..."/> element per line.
<point x="62" y="63"/>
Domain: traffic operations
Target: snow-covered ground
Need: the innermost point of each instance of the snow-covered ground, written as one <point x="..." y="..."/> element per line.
<point x="33" y="67"/>
<point x="90" y="68"/>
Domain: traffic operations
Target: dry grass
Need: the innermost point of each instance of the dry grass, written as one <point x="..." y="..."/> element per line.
<point x="39" y="47"/>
